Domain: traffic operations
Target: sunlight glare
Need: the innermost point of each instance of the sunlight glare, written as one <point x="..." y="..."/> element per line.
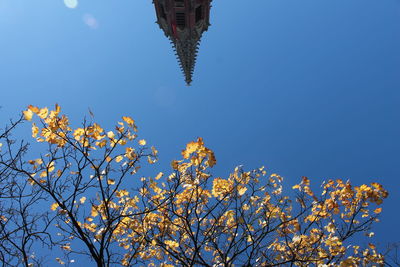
<point x="71" y="3"/>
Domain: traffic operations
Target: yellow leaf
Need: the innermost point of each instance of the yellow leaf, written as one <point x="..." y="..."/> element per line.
<point x="60" y="261"/>
<point x="102" y="143"/>
<point x="82" y="200"/>
<point x="66" y="247"/>
<point x="122" y="193"/>
<point x="172" y="244"/>
<point x="43" y="174"/>
<point x="175" y="164"/>
<point x="58" y="108"/>
<point x="154" y="150"/>
<point x="305" y="180"/>
<point x="347" y="263"/>
<point x="129" y="120"/>
<point x="35" y="130"/>
<point x="28" y="114"/>
<point x="130" y="153"/>
<point x="242" y="190"/>
<point x="122" y="142"/>
<point x="336" y="210"/>
<point x="43" y="112"/>
<point x="159" y="176"/>
<point x="33" y="109"/>
<point x="54" y="206"/>
<point x="330" y="228"/>
<point x="51" y="166"/>
<point x="119" y="158"/>
<point x="94" y="211"/>
<point x="221" y="187"/>
<point x="120" y="129"/>
<point x="378" y="210"/>
<point x="78" y="133"/>
<point x="190" y="148"/>
<point x="142" y="142"/>
<point x="110" y="134"/>
<point x="108" y="159"/>
<point x="110" y="181"/>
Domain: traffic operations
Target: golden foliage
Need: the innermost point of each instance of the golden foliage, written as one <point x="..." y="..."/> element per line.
<point x="189" y="213"/>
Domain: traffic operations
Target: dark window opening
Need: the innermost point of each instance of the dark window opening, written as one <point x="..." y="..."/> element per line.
<point x="162" y="12"/>
<point x="180" y="19"/>
<point x="199" y="13"/>
<point x="179" y="3"/>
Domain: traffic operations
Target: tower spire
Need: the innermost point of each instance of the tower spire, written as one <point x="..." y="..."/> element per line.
<point x="184" y="22"/>
<point x="186" y="52"/>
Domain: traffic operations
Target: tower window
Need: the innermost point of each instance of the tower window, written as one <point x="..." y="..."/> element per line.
<point x="180" y="19"/>
<point x="199" y="13"/>
<point x="179" y="3"/>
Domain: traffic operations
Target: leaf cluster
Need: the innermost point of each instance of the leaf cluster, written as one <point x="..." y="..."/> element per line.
<point x="82" y="196"/>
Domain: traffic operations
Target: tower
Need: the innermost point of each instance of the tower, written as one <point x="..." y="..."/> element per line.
<point x="183" y="22"/>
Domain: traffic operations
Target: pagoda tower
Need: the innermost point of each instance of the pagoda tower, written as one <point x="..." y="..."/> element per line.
<point x="183" y="22"/>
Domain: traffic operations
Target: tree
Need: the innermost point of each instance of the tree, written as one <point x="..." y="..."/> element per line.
<point x="81" y="195"/>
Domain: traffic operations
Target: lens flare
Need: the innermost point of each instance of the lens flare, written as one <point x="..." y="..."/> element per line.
<point x="90" y="21"/>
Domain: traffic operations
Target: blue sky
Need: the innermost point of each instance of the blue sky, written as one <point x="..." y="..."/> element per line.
<point x="304" y="87"/>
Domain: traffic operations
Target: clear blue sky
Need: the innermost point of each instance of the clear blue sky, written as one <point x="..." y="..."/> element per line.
<point x="304" y="87"/>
